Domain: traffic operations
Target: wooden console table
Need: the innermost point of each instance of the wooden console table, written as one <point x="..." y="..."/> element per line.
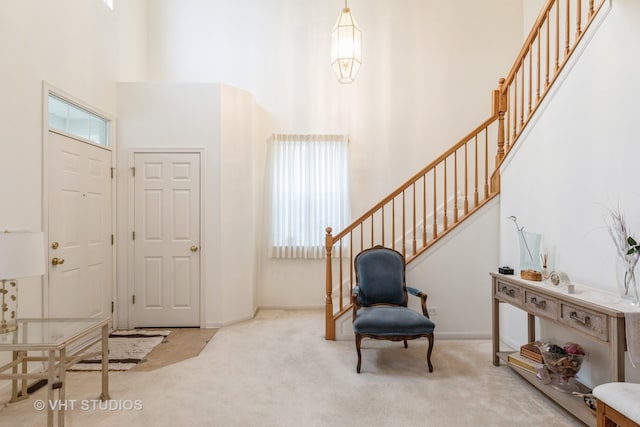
<point x="592" y="313"/>
<point x="54" y="337"/>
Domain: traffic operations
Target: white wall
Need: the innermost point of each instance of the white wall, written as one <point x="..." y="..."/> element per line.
<point x="578" y="160"/>
<point x="428" y="71"/>
<point x="237" y="240"/>
<point x="455" y="275"/>
<point x="131" y="38"/>
<point x="531" y="10"/>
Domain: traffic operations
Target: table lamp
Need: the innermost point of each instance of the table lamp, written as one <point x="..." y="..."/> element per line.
<point x="21" y="255"/>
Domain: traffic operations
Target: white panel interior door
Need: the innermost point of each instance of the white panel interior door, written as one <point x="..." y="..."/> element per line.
<point x="80" y="284"/>
<point x="167" y="239"/>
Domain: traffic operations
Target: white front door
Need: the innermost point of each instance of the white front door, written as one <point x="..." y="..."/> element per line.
<point x="167" y="239"/>
<point x="80" y="279"/>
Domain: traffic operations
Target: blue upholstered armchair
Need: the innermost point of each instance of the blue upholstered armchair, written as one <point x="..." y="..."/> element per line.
<point x="380" y="301"/>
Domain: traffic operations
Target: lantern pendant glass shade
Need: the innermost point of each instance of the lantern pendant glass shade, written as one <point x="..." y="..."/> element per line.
<point x="346" y="47"/>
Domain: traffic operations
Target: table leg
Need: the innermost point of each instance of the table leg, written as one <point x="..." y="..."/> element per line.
<point x="495" y="336"/>
<point x="105" y="363"/>
<point x="19" y="358"/>
<point x="61" y="391"/>
<point x="23" y="391"/>
<point x="51" y="382"/>
<point x="617" y="348"/>
<point x="14" y="382"/>
<point x="531" y="327"/>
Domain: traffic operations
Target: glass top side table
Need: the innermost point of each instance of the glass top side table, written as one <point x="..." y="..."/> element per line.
<point x="54" y="337"/>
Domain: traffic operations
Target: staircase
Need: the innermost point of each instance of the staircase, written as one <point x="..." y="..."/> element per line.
<point x="466" y="177"/>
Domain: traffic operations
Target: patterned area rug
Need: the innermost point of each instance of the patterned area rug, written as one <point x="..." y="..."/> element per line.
<point x="127" y="348"/>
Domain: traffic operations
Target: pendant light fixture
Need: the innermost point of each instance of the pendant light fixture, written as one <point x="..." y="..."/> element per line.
<point x="346" y="47"/>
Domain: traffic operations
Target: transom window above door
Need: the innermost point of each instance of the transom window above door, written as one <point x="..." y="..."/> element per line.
<point x="77" y="121"/>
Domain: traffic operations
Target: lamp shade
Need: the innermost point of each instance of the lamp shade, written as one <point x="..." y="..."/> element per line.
<point x="346" y="47"/>
<point x="21" y="255"/>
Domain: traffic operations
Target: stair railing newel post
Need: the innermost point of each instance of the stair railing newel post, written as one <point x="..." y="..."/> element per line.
<point x="500" y="103"/>
<point x="330" y="327"/>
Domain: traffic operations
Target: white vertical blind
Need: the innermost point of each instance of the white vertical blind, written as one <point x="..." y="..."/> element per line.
<point x="308" y="191"/>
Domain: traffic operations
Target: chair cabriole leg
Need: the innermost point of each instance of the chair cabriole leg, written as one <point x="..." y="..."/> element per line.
<point x="358" y="341"/>
<point x="430" y="337"/>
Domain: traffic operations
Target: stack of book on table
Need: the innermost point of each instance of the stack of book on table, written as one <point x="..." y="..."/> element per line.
<point x="528" y="358"/>
<point x="531" y="351"/>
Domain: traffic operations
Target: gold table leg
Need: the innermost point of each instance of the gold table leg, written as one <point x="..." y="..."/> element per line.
<point x="51" y="405"/>
<point x="105" y="363"/>
<point x="61" y="391"/>
<point x="19" y="359"/>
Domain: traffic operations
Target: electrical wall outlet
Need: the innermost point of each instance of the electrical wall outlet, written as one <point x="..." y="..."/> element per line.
<point x="432" y="311"/>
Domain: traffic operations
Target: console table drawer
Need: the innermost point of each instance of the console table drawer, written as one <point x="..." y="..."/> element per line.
<point x="594" y="324"/>
<point x="509" y="292"/>
<point x="540" y="305"/>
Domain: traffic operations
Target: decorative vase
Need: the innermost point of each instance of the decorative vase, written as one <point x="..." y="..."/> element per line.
<point x="529" y="250"/>
<point x="563" y="364"/>
<point x="626" y="279"/>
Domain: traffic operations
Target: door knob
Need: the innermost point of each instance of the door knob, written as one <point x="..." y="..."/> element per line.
<point x="194" y="248"/>
<point x="57" y="261"/>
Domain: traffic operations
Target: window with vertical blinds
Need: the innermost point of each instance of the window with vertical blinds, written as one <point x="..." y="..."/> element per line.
<point x="308" y="191"/>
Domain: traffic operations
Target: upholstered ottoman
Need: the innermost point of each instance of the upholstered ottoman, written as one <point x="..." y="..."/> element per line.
<point x="618" y="404"/>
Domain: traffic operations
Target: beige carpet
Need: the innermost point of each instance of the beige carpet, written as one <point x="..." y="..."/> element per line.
<point x="277" y="370"/>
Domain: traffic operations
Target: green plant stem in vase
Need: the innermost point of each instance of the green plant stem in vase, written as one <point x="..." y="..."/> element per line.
<point x="630" y="283"/>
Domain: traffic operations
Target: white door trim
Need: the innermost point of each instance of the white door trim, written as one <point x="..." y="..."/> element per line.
<point x="50" y="89"/>
<point x="131" y="221"/>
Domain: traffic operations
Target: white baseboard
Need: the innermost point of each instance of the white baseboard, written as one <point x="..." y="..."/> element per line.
<point x="292" y="307"/>
<point x="512" y="344"/>
<point x="314" y="307"/>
